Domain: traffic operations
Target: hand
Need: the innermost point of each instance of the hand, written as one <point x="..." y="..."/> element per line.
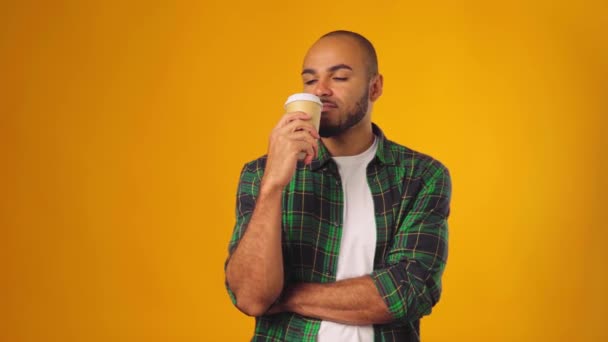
<point x="287" y="300"/>
<point x="293" y="134"/>
<point x="275" y="309"/>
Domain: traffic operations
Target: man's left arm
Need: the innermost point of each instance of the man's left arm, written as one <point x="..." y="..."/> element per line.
<point x="410" y="283"/>
<point x="354" y="301"/>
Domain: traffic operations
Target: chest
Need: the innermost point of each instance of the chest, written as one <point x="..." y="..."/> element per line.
<point x="313" y="217"/>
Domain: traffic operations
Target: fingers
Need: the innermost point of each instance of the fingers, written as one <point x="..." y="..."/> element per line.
<point x="300" y="125"/>
<point x="294" y="135"/>
<point x="303" y="135"/>
<point x="307" y="138"/>
<point x="300" y="142"/>
<point x="289" y="117"/>
<point x="310" y="150"/>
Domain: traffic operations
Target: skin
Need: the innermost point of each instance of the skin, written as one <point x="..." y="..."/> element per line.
<point x="341" y="90"/>
<point x="335" y="69"/>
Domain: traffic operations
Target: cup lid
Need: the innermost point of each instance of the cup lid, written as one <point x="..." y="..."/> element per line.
<point x="304" y="97"/>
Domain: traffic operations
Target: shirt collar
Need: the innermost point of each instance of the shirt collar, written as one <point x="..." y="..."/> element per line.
<point x="384" y="155"/>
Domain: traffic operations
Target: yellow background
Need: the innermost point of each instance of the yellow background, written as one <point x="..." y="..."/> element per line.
<point x="123" y="128"/>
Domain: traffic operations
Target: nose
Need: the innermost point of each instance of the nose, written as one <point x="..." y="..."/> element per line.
<point x="322" y="89"/>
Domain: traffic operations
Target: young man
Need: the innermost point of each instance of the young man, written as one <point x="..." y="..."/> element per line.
<point x="349" y="244"/>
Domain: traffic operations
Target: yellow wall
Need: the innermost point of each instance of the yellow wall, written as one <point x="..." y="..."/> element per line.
<point x="123" y="129"/>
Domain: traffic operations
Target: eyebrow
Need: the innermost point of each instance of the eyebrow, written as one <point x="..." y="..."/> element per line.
<point x="330" y="69"/>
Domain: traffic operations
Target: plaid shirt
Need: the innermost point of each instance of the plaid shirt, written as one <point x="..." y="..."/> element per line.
<point x="411" y="194"/>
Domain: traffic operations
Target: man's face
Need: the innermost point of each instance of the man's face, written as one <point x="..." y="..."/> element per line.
<point x="335" y="70"/>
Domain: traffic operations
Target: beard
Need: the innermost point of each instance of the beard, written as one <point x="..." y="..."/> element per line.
<point x="328" y="130"/>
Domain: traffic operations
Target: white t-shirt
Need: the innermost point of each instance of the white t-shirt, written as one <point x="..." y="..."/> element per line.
<point x="358" y="243"/>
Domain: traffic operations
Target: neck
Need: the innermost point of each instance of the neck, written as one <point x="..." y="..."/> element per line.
<point x="355" y="140"/>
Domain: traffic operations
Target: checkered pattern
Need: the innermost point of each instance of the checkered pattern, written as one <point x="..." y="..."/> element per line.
<point x="411" y="193"/>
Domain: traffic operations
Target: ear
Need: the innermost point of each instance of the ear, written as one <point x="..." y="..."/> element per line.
<point x="376" y="87"/>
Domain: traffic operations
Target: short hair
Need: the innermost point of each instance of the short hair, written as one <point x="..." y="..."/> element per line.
<point x="368" y="48"/>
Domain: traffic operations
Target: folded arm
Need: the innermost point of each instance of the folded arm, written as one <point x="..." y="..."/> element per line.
<point x="353" y="301"/>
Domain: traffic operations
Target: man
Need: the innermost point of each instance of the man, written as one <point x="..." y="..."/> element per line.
<point x="350" y="243"/>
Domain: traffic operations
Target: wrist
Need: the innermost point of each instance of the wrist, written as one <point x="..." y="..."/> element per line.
<point x="293" y="295"/>
<point x="268" y="187"/>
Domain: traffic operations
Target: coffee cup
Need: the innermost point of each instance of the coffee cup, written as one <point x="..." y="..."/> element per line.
<point x="309" y="104"/>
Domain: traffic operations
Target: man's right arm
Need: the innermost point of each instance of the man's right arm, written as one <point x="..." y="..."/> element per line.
<point x="254" y="272"/>
<point x="255" y="269"/>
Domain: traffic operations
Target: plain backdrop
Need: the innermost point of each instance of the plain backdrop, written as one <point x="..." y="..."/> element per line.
<point x="124" y="126"/>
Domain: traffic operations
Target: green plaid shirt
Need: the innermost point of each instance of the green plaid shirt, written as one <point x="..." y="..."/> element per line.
<point x="411" y="194"/>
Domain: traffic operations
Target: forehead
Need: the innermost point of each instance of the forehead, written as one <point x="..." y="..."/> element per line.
<point x="331" y="51"/>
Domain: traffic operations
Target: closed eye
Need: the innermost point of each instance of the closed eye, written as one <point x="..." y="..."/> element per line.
<point x="311" y="82"/>
<point x="340" y="79"/>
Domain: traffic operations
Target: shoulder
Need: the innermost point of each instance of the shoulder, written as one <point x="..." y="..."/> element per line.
<point x="256" y="164"/>
<point x="415" y="163"/>
<point x="253" y="170"/>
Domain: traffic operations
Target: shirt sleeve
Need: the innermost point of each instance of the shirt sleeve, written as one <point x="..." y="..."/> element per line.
<point x="247" y="192"/>
<point x="410" y="282"/>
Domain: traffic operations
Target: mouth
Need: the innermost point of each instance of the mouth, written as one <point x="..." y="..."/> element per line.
<point x="328" y="106"/>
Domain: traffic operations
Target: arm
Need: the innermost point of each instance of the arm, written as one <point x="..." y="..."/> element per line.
<point x="254" y="270"/>
<point x="410" y="283"/>
<point x="353" y="301"/>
